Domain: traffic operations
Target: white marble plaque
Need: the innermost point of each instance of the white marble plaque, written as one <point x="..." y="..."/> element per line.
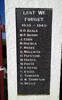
<point x="33" y="34"/>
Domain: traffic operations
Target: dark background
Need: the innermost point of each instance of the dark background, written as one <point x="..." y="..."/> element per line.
<point x="43" y="44"/>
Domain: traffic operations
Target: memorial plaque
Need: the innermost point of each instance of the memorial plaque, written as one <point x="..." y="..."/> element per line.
<point x="33" y="33"/>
